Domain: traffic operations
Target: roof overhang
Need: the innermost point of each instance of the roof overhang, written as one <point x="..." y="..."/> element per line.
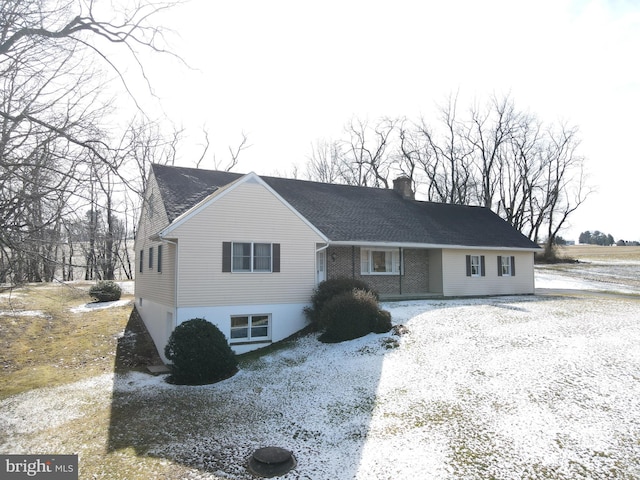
<point x="357" y="243"/>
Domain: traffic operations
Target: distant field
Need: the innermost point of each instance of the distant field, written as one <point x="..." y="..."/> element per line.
<point x="598" y="253"/>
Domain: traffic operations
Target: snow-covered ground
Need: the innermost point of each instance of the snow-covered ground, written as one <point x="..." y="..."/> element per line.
<point x="591" y="276"/>
<point x="501" y="387"/>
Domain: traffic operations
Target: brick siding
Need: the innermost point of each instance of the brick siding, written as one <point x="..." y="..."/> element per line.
<point x="345" y="262"/>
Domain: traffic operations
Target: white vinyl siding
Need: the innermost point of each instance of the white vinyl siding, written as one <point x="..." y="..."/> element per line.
<point x="456" y="281"/>
<point x="248" y="212"/>
<point x="155" y="283"/>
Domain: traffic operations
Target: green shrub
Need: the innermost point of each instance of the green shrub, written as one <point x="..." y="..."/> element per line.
<point x="200" y="353"/>
<point x="105" y="291"/>
<point x="351" y="315"/>
<point x="382" y="323"/>
<point x="329" y="289"/>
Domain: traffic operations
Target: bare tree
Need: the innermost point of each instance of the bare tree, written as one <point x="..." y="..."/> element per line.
<point x="366" y="156"/>
<point x="488" y="133"/>
<point x="324" y="163"/>
<point x="564" y="181"/>
<point x="234" y="153"/>
<point x="520" y="173"/>
<point x="52" y="104"/>
<point x="439" y="159"/>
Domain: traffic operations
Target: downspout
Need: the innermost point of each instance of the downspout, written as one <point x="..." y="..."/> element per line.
<point x="175" y="281"/>
<point x="318" y="250"/>
<point x="401" y="260"/>
<point x="353" y="261"/>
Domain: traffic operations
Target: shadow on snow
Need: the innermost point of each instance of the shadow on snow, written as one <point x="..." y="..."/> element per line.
<point x="311" y="398"/>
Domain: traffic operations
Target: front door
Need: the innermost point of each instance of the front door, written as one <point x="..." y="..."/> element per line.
<point x="321" y="266"/>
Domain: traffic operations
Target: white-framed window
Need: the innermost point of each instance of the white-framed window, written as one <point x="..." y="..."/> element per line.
<point x="506" y="266"/>
<point x="246" y="257"/>
<point x="251" y="257"/>
<point x="475" y="265"/>
<point x="380" y="261"/>
<point x="250" y="328"/>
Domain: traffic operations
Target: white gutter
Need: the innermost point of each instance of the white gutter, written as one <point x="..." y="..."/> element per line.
<point x="349" y="243"/>
<point x="322" y="248"/>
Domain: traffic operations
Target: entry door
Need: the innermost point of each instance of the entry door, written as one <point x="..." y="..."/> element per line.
<point x="321" y="266"/>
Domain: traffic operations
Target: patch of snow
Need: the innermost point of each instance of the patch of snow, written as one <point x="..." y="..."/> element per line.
<point x="23" y="313"/>
<point x="593" y="277"/>
<point x="48" y="408"/>
<point x="11" y="294"/>
<point x="556" y="280"/>
<point x="90" y="307"/>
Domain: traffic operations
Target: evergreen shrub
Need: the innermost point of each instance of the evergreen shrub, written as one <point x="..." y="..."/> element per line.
<point x="351" y="315"/>
<point x="329" y="289"/>
<point x="105" y="291"/>
<point x="199" y="353"/>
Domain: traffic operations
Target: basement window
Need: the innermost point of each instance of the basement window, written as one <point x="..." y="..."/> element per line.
<point x="250" y="328"/>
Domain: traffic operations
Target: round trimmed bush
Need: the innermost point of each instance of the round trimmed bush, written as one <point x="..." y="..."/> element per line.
<point x="200" y="354"/>
<point x="105" y="291"/>
<point x="350" y="315"/>
<point x="328" y="290"/>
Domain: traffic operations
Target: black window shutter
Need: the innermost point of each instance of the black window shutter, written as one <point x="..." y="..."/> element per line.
<point x="468" y="265"/>
<point x="276" y="257"/>
<point x="513" y="266"/>
<point x="226" y="256"/>
<point x="499" y="266"/>
<point x="482" y="265"/>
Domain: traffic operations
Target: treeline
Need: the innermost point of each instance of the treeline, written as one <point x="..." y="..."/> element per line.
<point x="596" y="238"/>
<point x="76" y="147"/>
<point x="491" y="154"/>
<point x="599" y="238"/>
<point x="70" y="164"/>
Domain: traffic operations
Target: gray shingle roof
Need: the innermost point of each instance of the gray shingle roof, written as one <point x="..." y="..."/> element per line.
<point x="354" y="214"/>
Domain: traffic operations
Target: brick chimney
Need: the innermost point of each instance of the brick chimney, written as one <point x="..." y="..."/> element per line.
<point x="402" y="185"/>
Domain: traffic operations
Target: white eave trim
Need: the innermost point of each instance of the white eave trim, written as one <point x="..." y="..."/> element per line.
<point x="429" y="245"/>
<point x="221" y="192"/>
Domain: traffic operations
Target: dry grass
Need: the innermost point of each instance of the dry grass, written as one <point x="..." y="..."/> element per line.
<point x="42" y="343"/>
<point x="598" y="253"/>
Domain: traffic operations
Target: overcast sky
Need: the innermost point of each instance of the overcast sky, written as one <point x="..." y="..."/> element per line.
<point x="290" y="72"/>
